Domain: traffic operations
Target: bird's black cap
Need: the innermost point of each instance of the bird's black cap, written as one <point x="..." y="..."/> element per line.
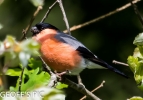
<point x="41" y="26"/>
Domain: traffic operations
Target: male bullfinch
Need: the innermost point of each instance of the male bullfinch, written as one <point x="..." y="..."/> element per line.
<point x="63" y="52"/>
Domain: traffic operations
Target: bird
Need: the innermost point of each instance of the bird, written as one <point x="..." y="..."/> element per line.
<point x="63" y="52"/>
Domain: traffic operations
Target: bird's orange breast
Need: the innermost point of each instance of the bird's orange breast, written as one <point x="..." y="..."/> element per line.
<point x="59" y="56"/>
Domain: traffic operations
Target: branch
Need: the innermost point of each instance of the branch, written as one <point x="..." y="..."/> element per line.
<point x="101" y="17"/>
<point x="53" y="79"/>
<point x="20" y="79"/>
<point x="120" y="63"/>
<point x="48" y="11"/>
<point x="81" y="89"/>
<point x="137" y="11"/>
<point x="30" y="23"/>
<point x="64" y="16"/>
<point x="101" y="85"/>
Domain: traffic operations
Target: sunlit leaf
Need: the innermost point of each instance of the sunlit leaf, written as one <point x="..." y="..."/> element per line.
<point x="35" y="79"/>
<point x="15" y="52"/>
<point x="137" y="53"/>
<point x="42" y="93"/>
<point x="136" y="98"/>
<point x="13" y="72"/>
<point x="9" y="41"/>
<point x="135" y="62"/>
<point x="138" y="39"/>
<point x="37" y="3"/>
<point x="61" y="85"/>
<point x="30" y="46"/>
<point x="34" y="63"/>
<point x="51" y="93"/>
<point x="136" y="65"/>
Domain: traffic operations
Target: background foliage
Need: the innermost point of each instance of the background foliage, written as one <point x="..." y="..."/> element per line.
<point x="111" y="38"/>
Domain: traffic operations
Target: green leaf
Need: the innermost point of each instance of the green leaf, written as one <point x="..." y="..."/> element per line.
<point x="133" y="63"/>
<point x="136" y="98"/>
<point x="13" y="72"/>
<point x="138" y="39"/>
<point x="37" y="2"/>
<point x="18" y="52"/>
<point x="9" y="41"/>
<point x="35" y="80"/>
<point x="11" y="59"/>
<point x="51" y="93"/>
<point x="61" y="85"/>
<point x="42" y="93"/>
<point x="30" y="46"/>
<point x="137" y="53"/>
<point x="34" y="63"/>
<point x="136" y="66"/>
<point x="32" y="75"/>
<point x="140" y="49"/>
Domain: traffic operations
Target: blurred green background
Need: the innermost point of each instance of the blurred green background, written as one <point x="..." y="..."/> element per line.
<point x="110" y="38"/>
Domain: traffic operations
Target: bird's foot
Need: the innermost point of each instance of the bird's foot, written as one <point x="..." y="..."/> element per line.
<point x="59" y="75"/>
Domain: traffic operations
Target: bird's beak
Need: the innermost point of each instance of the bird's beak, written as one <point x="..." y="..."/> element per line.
<point x="34" y="30"/>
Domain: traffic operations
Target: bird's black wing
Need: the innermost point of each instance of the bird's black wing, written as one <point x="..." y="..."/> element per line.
<point x="68" y="39"/>
<point x="84" y="52"/>
<point x="90" y="56"/>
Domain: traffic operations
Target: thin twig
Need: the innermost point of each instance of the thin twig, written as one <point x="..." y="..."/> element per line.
<point x="81" y="89"/>
<point x="101" y="85"/>
<point x="101" y="17"/>
<point x="45" y="65"/>
<point x="137" y="11"/>
<point x="3" y="79"/>
<point x="48" y="11"/>
<point x="64" y="16"/>
<point x="30" y="23"/>
<point x="53" y="79"/>
<point x="120" y="63"/>
<point x="20" y="79"/>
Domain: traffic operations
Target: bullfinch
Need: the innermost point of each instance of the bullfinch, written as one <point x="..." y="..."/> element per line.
<point x="63" y="52"/>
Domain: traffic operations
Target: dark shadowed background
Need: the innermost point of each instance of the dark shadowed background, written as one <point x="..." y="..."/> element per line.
<point x="110" y="38"/>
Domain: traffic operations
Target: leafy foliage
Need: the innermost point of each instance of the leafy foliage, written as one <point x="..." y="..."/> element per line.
<point x="15" y="52"/>
<point x="17" y="56"/>
<point x="136" y="61"/>
<point x="42" y="93"/>
<point x="35" y="79"/>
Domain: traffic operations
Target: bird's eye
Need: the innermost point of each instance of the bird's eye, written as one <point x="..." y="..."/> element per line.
<point x="42" y="28"/>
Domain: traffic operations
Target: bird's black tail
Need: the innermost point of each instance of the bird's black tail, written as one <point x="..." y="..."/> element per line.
<point x="87" y="54"/>
<point x="104" y="64"/>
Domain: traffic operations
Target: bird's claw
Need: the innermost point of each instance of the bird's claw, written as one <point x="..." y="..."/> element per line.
<point x="59" y="75"/>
